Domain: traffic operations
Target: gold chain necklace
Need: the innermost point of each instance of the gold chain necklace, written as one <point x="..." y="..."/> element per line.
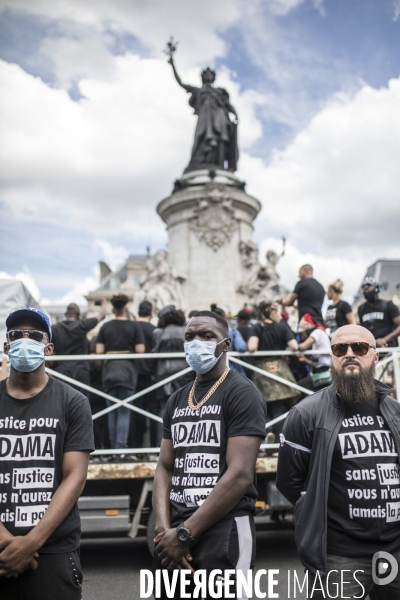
<point x="210" y="392"/>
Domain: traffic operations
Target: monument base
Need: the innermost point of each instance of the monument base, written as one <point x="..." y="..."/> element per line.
<point x="209" y="217"/>
<point x="207" y="167"/>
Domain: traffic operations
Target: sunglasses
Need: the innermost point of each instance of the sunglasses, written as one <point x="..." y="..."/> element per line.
<point x="33" y="334"/>
<point x="358" y="348"/>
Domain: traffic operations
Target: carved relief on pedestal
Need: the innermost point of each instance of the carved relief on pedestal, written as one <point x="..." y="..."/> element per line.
<point x="260" y="282"/>
<point x="161" y="285"/>
<point x="214" y="220"/>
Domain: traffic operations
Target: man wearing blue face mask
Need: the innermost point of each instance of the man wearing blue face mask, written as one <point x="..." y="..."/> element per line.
<point x="204" y="487"/>
<point x="46" y="436"/>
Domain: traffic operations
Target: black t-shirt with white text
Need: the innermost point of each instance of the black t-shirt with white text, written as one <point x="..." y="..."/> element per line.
<point x="69" y="337"/>
<point x="336" y="314"/>
<point x="272" y="336"/>
<point x="311" y="296"/>
<point x="120" y="336"/>
<point x="200" y="440"/>
<point x="378" y="318"/>
<point x="34" y="435"/>
<point x="364" y="491"/>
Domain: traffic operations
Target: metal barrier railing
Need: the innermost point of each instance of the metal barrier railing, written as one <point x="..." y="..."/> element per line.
<point x="393" y="355"/>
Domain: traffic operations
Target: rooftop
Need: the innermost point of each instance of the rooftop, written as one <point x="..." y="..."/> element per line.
<point x="111" y="280"/>
<point x="387" y="273"/>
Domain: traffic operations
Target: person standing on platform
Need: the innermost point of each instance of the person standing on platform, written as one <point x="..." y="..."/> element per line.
<point x="46" y="439"/>
<point x="272" y="333"/>
<point x="380" y="317"/>
<point x="167" y="337"/>
<point x="339" y="465"/>
<point x="338" y="313"/>
<point x="138" y="424"/>
<point x="212" y="434"/>
<point x="98" y="403"/>
<point x="238" y="344"/>
<point x="244" y="326"/>
<point x="120" y="336"/>
<point x="243" y="319"/>
<point x="70" y="337"/>
<point x="145" y="312"/>
<point x="309" y="294"/>
<point x="314" y="337"/>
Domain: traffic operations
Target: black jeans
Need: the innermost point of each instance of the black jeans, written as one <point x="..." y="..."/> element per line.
<point x="138" y="422"/>
<point x="156" y="407"/>
<point x="341" y="569"/>
<point x="119" y="419"/>
<point x="57" y="576"/>
<point x="229" y="544"/>
<point x="276" y="409"/>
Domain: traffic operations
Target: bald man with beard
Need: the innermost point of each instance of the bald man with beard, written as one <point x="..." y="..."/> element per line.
<point x="339" y="465"/>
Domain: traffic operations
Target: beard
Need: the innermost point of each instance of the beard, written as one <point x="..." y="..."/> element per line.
<point x="356" y="388"/>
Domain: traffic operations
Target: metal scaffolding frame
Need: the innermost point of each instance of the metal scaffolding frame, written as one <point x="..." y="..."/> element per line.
<point x="393" y="356"/>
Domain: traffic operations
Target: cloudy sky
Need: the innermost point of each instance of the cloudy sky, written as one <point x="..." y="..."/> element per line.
<point x="95" y="129"/>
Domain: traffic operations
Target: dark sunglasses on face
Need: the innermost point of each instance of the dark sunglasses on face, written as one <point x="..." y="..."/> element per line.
<point x="358" y="348"/>
<point x="17" y="334"/>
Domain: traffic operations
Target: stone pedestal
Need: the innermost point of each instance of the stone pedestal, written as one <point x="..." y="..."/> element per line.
<point x="208" y="215"/>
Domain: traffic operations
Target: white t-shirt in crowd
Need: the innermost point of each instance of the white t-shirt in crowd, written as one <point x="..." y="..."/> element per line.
<point x="322" y="342"/>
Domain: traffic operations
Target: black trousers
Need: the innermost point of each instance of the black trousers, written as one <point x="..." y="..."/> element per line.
<point x="58" y="576"/>
<point x="358" y="575"/>
<point x="276" y="409"/>
<point x="138" y="422"/>
<point x="229" y="544"/>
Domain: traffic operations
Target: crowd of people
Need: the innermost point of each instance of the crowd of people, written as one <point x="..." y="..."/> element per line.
<point x="339" y="448"/>
<point x="255" y="328"/>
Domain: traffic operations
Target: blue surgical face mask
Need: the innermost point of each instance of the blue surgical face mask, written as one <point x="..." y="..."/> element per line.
<point x="200" y="356"/>
<point x="26" y="355"/>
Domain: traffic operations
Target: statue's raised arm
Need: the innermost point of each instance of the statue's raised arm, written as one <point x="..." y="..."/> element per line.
<point x="215" y="141"/>
<point x="188" y="88"/>
<point x="169" y="51"/>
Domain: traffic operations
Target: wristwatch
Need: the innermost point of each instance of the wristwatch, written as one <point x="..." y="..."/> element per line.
<point x="183" y="534"/>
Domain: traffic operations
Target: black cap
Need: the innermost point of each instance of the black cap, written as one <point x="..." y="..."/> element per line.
<point x="166" y="309"/>
<point x="244" y="314"/>
<point x="29" y="313"/>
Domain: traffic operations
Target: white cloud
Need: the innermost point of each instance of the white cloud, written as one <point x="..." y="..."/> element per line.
<point x="110" y="158"/>
<point x="114" y="256"/>
<point x="335" y="188"/>
<point x="319" y="6"/>
<point x="326" y="268"/>
<point x="297" y="75"/>
<point x="195" y="24"/>
<point x="396" y="10"/>
<point x="27" y="279"/>
<point x="107" y="160"/>
<point x="76" y="57"/>
<point x="80" y="45"/>
<point x="77" y="294"/>
<point x="282" y="7"/>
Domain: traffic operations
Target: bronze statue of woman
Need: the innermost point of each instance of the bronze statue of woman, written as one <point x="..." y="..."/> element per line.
<point x="215" y="140"/>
